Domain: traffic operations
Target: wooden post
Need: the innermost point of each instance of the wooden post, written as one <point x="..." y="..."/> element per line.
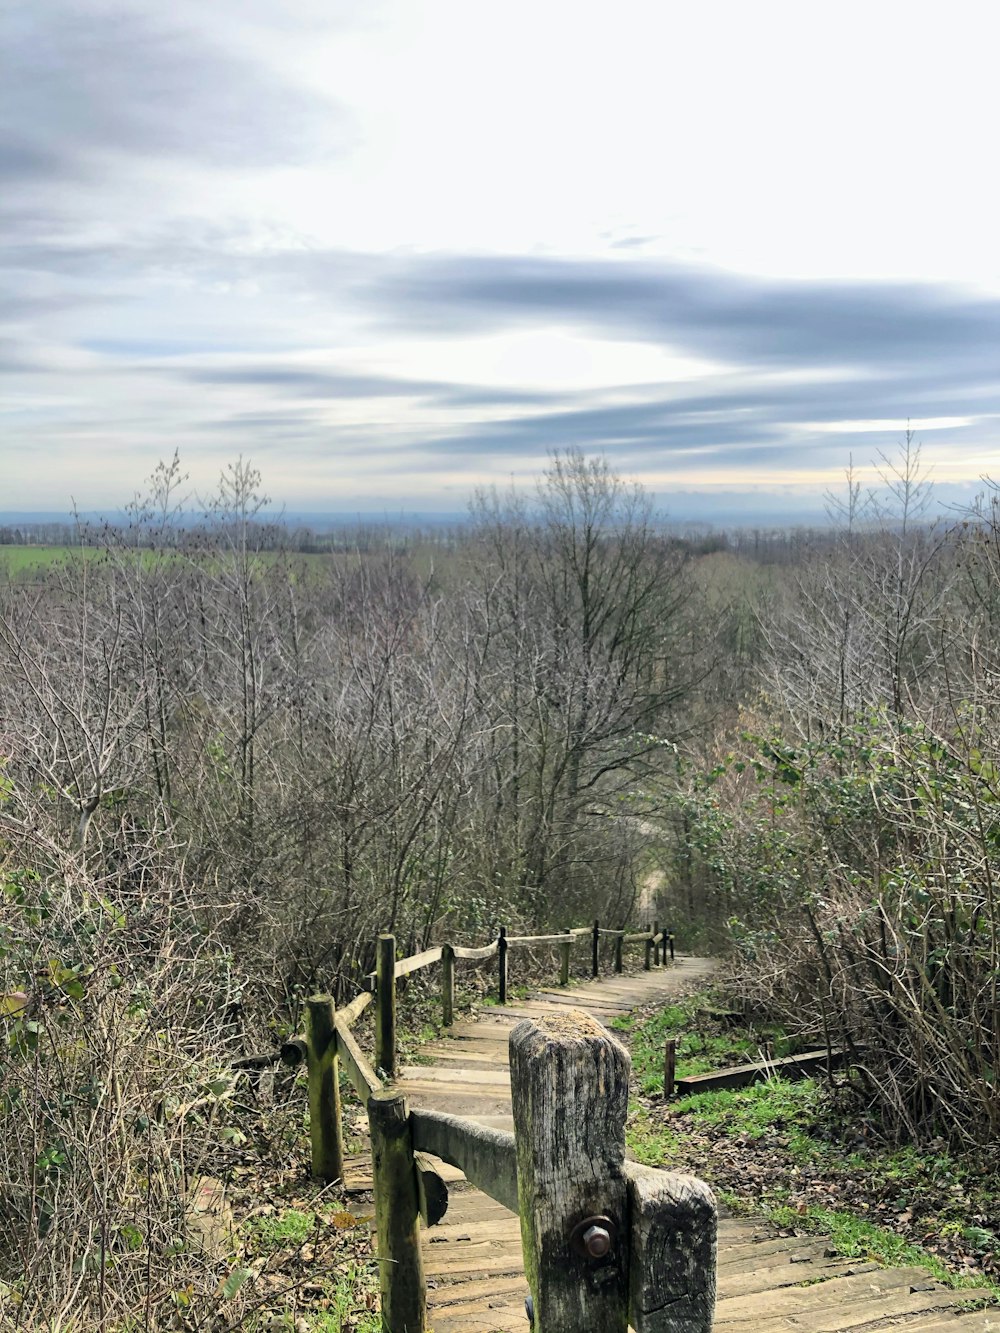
<point x="669" y="1066"/>
<point x="656" y="943"/>
<point x="502" y="962"/>
<point x="447" y="985"/>
<point x="325" y="1128"/>
<point x="647" y="962"/>
<point x="673" y="1224"/>
<point x="670" y="937"/>
<point x="564" y="951"/>
<point x="385" y="1005"/>
<point x="569" y="1079"/>
<point x="619" y="947"/>
<point x="397" y="1210"/>
<point x="596" y="961"/>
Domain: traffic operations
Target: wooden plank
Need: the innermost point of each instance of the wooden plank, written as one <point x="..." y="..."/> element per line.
<point x="569" y="1079"/>
<point x="741" y="1076"/>
<point x="487" y="1156"/>
<point x="540" y="939"/>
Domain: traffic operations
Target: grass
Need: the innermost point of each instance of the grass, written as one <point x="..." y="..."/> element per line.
<point x="351" y="1301"/>
<point x="276" y="1231"/>
<point x="16" y="560"/>
<point x="697" y="1053"/>
<point x="351" y="1289"/>
<point x="766" y="1147"/>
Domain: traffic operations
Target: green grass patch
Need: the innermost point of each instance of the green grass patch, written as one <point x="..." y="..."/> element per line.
<point x="751" y="1113"/>
<point x="855" y="1238"/>
<point x="699" y="1048"/>
<point x="352" y="1299"/>
<point x="278" y="1230"/>
<point x="649" y="1140"/>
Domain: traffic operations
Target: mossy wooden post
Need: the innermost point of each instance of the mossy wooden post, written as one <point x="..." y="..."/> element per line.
<point x="564" y="955"/>
<point x="669" y="1066"/>
<point x="325" y="1126"/>
<point x="447" y="985"/>
<point x="569" y="1080"/>
<point x="385" y="1005"/>
<point x="619" y="947"/>
<point x="397" y="1213"/>
<point x="502" y="947"/>
<point x="595" y="961"/>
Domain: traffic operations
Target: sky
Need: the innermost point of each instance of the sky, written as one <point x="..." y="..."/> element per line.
<point x="395" y="250"/>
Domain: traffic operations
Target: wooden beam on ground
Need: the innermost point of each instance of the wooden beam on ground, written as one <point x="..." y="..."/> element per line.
<point x="741" y="1076"/>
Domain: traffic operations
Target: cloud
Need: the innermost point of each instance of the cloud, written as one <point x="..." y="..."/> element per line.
<point x="84" y="81"/>
<point x="706" y="311"/>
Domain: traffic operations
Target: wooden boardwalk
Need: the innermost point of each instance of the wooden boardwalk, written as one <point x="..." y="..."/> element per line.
<point x="475" y="1275"/>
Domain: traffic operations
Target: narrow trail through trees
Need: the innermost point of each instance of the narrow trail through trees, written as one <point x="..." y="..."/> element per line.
<point x="473" y="1263"/>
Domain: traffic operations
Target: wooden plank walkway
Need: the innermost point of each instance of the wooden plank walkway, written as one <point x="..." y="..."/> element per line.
<point x="767" y="1283"/>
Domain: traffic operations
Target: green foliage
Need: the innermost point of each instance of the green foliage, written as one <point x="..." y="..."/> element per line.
<point x="749" y="1113"/>
<point x="697" y="1051"/>
<point x="289" y="1227"/>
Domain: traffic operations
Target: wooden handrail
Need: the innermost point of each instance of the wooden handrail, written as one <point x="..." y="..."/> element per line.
<point x="488" y="1157"/>
<point x="322" y="1053"/>
<point x="476" y="955"/>
<point x="353" y="1011"/>
<point x="540" y="939"/>
<point x="363" y="1078"/>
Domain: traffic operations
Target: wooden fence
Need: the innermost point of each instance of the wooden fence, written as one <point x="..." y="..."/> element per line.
<point x="608" y="1244"/>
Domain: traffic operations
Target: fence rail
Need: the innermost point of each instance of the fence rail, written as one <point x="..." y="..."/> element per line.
<point x="570" y="1084"/>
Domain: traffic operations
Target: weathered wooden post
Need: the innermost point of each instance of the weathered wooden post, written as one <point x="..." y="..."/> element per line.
<point x="385" y="1005"/>
<point x="564" y="951"/>
<point x="669" y="1066"/>
<point x="569" y="1079"/>
<point x="397" y="1212"/>
<point x="619" y="947"/>
<point x="672" y="1260"/>
<point x="670" y="937"/>
<point x="447" y="984"/>
<point x="657" y="942"/>
<point x="596" y="960"/>
<point x="325" y="1126"/>
<point x="502" y="947"/>
<point x="647" y="962"/>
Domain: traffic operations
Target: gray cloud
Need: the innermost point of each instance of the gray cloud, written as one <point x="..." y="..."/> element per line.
<point x="344" y="384"/>
<point x="82" y="80"/>
<point x="699" y="310"/>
